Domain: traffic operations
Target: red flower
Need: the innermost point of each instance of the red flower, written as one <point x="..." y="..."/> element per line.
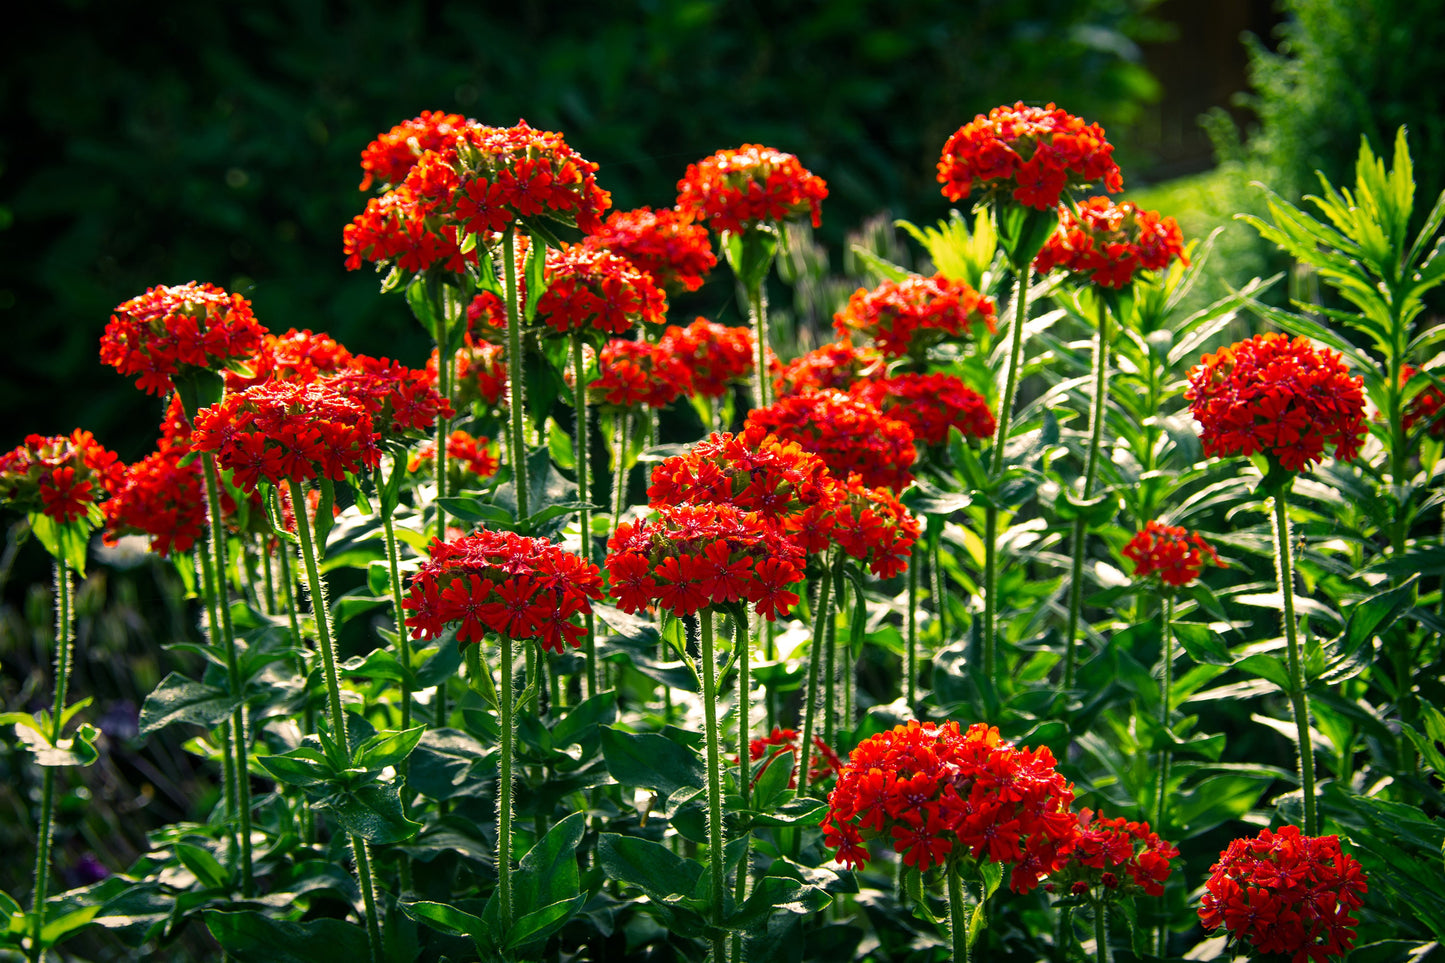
<point x="1108" y="242"/>
<point x="1278" y="396"/>
<point x="929" y="404"/>
<point x="838" y="365"/>
<point x="871" y="525"/>
<point x="598" y="290"/>
<point x="479" y="374"/>
<point x="170" y="330"/>
<point x="395" y="230"/>
<point x="716" y="355"/>
<point x="1106" y="848"/>
<point x="906" y="318"/>
<point x="824" y="763"/>
<point x="1286" y="892"/>
<point x="400" y="400"/>
<point x="296" y="355"/>
<point x="159" y="498"/>
<point x="62" y="476"/>
<point x="1031" y="154"/>
<point x="465" y="454"/>
<point x="740" y="190"/>
<point x="504" y="583"/>
<point x="692" y="557"/>
<point x="851" y="436"/>
<point x="1425" y="407"/>
<point x="1176" y="555"/>
<point x="392" y="155"/>
<point x="664" y="244"/>
<point x="635" y="373"/>
<point x="942" y="795"/>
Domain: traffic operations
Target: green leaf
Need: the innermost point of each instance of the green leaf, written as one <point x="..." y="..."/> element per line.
<point x="302" y="767"/>
<point x="442" y="762"/>
<point x="548" y="873"/>
<point x="1367" y="617"/>
<point x="64" y="541"/>
<point x="540" y="924"/>
<point x="468" y="508"/>
<point x="252" y="937"/>
<point x="581" y="720"/>
<point x="773" y="780"/>
<point x="750" y="254"/>
<point x="389" y="748"/>
<point x="77" y="750"/>
<point x="775" y="894"/>
<point x="1203" y="643"/>
<point x="62" y="926"/>
<point x="1266" y="665"/>
<point x="649" y="866"/>
<point x="650" y="760"/>
<point x="178" y="699"/>
<point x="207" y="870"/>
<point x="449" y="919"/>
<point x="372" y="812"/>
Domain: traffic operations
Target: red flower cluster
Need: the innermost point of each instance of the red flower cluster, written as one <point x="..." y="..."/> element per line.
<point x="635" y="373"/>
<point x="715" y="354"/>
<point x="837" y="365"/>
<point x="851" y="436"/>
<point x="159" y="497"/>
<point x="281" y="431"/>
<point x="1116" y="856"/>
<point x="62" y="476"/>
<point x="392" y="155"/>
<point x="597" y="290"/>
<point x="871" y="525"/>
<point x="398" y="399"/>
<point x="1279" y="396"/>
<point x="168" y="330"/>
<point x="294" y="356"/>
<point x="692" y="557"/>
<point x="466" y="453"/>
<point x="490" y="179"/>
<point x="906" y="318"/>
<point x="395" y="229"/>
<point x="666" y="244"/>
<point x="1031" y="154"/>
<point x="930" y="404"/>
<point x="1107" y="242"/>
<point x="740" y="190"/>
<point x="823" y="764"/>
<point x="1176" y="555"/>
<point x="942" y="795"/>
<point x="502" y="582"/>
<point x="1424" y="408"/>
<point x="1286" y="892"/>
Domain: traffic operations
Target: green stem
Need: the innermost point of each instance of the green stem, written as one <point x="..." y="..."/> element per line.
<point x="325" y="641"/>
<point x="516" y="374"/>
<point x="1101" y="931"/>
<point x="1284" y="570"/>
<point x="957" y="916"/>
<point x="714" y="781"/>
<point x="758" y="309"/>
<point x="47" y="791"/>
<point x="1097" y="415"/>
<point x="445" y="367"/>
<point x="935" y="573"/>
<point x="233" y="665"/>
<point x="228" y="756"/>
<point x="910" y="657"/>
<point x="619" y="472"/>
<point x="821" y="618"/>
<point x="830" y="680"/>
<point x="506" y="702"/>
<point x="308" y="712"/>
<point x="403" y="639"/>
<point x="990" y="587"/>
<point x="368" y="896"/>
<point x="1165" y="689"/>
<point x="580" y="451"/>
<point x="742" y="644"/>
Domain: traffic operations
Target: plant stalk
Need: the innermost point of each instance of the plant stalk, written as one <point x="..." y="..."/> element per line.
<point x="580" y="451"/>
<point x="1078" y="542"/>
<point x="715" y="850"/>
<point x="516" y="375"/>
<point x="1284" y="570"/>
<point x="47" y="791"/>
<point x="957" y="916"/>
<point x="821" y="618"/>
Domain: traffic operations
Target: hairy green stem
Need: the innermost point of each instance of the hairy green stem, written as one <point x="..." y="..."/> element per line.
<point x="1284" y="570"/>
<point x="715" y="841"/>
<point x="1101" y="931"/>
<point x="403" y="640"/>
<point x="506" y="702"/>
<point x="325" y="641"/>
<point x="957" y="916"/>
<point x="1097" y="415"/>
<point x="821" y="617"/>
<point x="619" y="473"/>
<point x="910" y="655"/>
<point x="368" y="897"/>
<point x="47" y="791"/>
<point x="580" y="451"/>
<point x="516" y="374"/>
<point x="758" y="310"/>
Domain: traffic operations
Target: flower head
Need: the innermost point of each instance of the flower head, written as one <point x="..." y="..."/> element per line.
<point x="597" y="290"/>
<point x="665" y="244"/>
<point x="716" y="355"/>
<point x="1028" y="154"/>
<point x="297" y="355"/>
<point x="838" y="365"/>
<point x="159" y="497"/>
<point x="392" y="155"/>
<point x="1286" y="893"/>
<point x="1107" y="242"/>
<point x="502" y="583"/>
<point x="929" y="404"/>
<point x="1177" y="556"/>
<point x="851" y="436"/>
<point x="780" y="744"/>
<point x="479" y="375"/>
<point x="636" y="373"/>
<point x="1116" y="857"/>
<point x="467" y="454"/>
<point x="905" y="318"/>
<point x="1425" y="407"/>
<point x="62" y="476"/>
<point x="169" y="331"/>
<point x="941" y="795"/>
<point x="871" y="525"/>
<point x="740" y="190"/>
<point x="396" y="230"/>
<point x="400" y="400"/>
<point x="1278" y="396"/>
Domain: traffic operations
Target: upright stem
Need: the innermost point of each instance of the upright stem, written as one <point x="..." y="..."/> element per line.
<point x="516" y="373"/>
<point x="957" y="916"/>
<point x="990" y="587"/>
<point x="742" y="642"/>
<point x="714" y="782"/>
<point x="1101" y="931"/>
<point x="308" y="713"/>
<point x="368" y="897"/>
<point x="910" y="658"/>
<point x="233" y="665"/>
<point x="619" y="473"/>
<point x="935" y="574"/>
<point x="830" y="679"/>
<point x="506" y="703"/>
<point x="821" y="617"/>
<point x="1165" y="690"/>
<point x="47" y="790"/>
<point x="325" y="641"/>
<point x="228" y="756"/>
<point x="580" y="451"/>
<point x="758" y="309"/>
<point x="1097" y="415"/>
<point x="445" y="367"/>
<point x="1284" y="569"/>
<point x="403" y="640"/>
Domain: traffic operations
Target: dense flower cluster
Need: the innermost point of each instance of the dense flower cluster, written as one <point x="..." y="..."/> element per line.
<point x="739" y="190"/>
<point x="159" y="497"/>
<point x="399" y="399"/>
<point x="851" y="436"/>
<point x="281" y="431"/>
<point x="692" y="557"/>
<point x="597" y="290"/>
<point x="716" y="355"/>
<point x="479" y="374"/>
<point x="504" y="583"/>
<point x="167" y="330"/>
<point x="390" y="157"/>
<point x="823" y="765"/>
<point x="1116" y="857"/>
<point x="298" y="355"/>
<point x="634" y="373"/>
<point x="1424" y="408"/>
<point x="489" y="179"/>
<point x="871" y="525"/>
<point x="62" y="476"/>
<point x="837" y="364"/>
<point x="941" y="795"/>
<point x="1177" y="556"/>
<point x="905" y="318"/>
<point x="1031" y="154"/>
<point x="394" y="229"/>
<point x="665" y="244"/>
<point x="1278" y="396"/>
<point x="930" y="404"/>
<point x="1106" y="243"/>
<point x="1285" y="892"/>
<point x="466" y="454"/>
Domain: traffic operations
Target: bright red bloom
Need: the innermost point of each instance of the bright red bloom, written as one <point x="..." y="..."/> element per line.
<point x="170" y="330"/>
<point x="1278" y="396"/>
<point x="466" y="455"/>
<point x="301" y="356"/>
<point x="160" y="498"/>
<point x="871" y="525"/>
<point x="636" y="373"/>
<point x="504" y="583"/>
<point x="1030" y="154"/>
<point x="490" y="179"/>
<point x="280" y="431"/>
<point x="400" y="400"/>
<point x="1109" y="851"/>
<point x="906" y="318"/>
<point x="944" y="795"/>
<point x="838" y="365"/>
<point x="392" y="155"/>
<point x="61" y="476"/>
<point x="692" y="557"/>
<point x="930" y="404"/>
<point x="716" y="355"/>
<point x="824" y="763"/>
<point x="1177" y="556"/>
<point x="1108" y="242"/>
<point x="395" y="230"/>
<point x="665" y="244"/>
<point x="1284" y="892"/>
<point x="851" y="436"/>
<point x="740" y="190"/>
<point x="598" y="290"/>
<point x="1425" y="407"/>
